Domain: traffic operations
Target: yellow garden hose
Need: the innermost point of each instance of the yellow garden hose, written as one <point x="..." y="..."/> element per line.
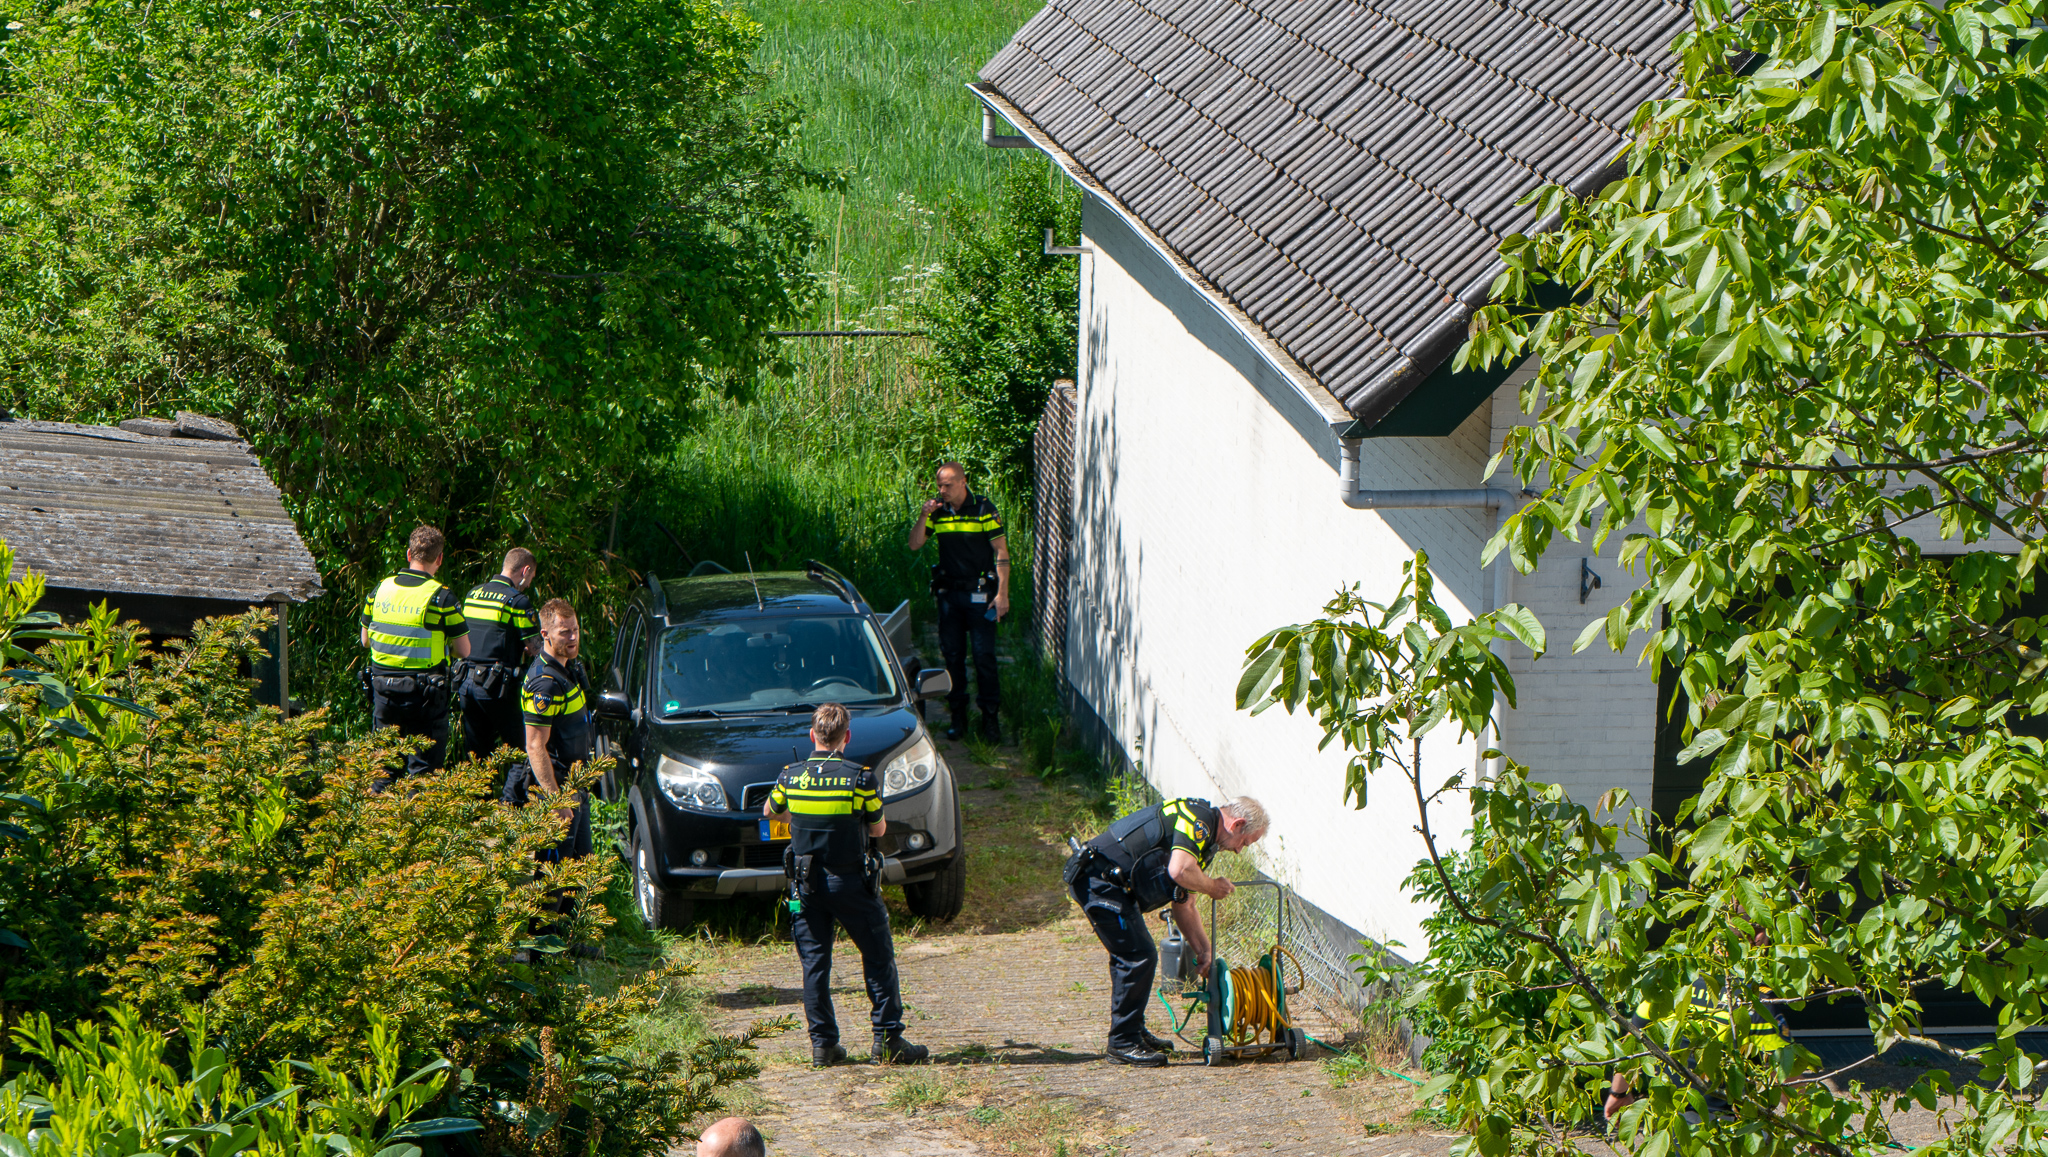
<point x="1256" y="1001"/>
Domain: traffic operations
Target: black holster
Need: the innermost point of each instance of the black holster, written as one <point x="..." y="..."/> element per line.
<point x="802" y="872"/>
<point x="486" y="679"/>
<point x="1077" y="866"/>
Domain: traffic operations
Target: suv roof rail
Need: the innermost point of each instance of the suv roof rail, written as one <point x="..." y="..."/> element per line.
<point x="660" y="607"/>
<point x="840" y="584"/>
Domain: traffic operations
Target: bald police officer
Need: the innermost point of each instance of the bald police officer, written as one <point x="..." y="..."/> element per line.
<point x="835" y="807"/>
<point x="412" y="625"/>
<point x="972" y="585"/>
<point x="1154" y="857"/>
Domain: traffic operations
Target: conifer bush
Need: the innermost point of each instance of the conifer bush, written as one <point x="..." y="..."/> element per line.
<point x="172" y="853"/>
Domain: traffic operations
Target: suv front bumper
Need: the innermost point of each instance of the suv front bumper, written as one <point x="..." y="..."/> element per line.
<point x="744" y="864"/>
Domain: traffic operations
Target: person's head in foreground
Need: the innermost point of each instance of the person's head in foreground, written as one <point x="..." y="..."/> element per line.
<point x="732" y="1137"/>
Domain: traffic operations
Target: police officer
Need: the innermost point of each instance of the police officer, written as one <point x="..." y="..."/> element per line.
<point x="555" y="705"/>
<point x="1153" y="857"/>
<point x="835" y="807"/>
<point x="503" y="633"/>
<point x="972" y="586"/>
<point x="412" y="624"/>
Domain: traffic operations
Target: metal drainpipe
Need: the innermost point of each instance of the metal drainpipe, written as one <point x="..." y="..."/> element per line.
<point x="1347" y="486"/>
<point x="990" y="138"/>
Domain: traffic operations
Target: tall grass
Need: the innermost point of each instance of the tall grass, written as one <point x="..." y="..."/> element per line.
<point x="881" y="86"/>
<point x="830" y="464"/>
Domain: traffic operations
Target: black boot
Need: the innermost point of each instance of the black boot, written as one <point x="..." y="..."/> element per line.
<point x="1158" y="1044"/>
<point x="825" y="1056"/>
<point x="1142" y="1055"/>
<point x="991" y="727"/>
<point x="892" y="1047"/>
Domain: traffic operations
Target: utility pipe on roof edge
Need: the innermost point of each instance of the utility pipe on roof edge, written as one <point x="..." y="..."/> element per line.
<point x="1357" y="499"/>
<point x="991" y="139"/>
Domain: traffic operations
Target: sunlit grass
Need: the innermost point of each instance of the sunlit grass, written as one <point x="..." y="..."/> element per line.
<point x="881" y="86"/>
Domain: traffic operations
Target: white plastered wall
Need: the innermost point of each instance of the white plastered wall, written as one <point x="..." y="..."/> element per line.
<point x="1206" y="516"/>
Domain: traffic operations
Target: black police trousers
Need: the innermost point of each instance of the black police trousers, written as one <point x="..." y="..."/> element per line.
<point x="846" y="900"/>
<point x="960" y="620"/>
<point x="413" y="712"/>
<point x="1133" y="957"/>
<point x="492" y="721"/>
<point x="574" y="845"/>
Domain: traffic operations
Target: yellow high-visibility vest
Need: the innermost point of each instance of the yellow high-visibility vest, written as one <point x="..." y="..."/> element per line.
<point x="399" y="635"/>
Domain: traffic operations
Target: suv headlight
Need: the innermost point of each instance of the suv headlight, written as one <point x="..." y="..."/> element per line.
<point x="912" y="769"/>
<point x="690" y="787"/>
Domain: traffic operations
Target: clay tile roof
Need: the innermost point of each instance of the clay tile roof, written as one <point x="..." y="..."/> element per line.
<point x="1341" y="171"/>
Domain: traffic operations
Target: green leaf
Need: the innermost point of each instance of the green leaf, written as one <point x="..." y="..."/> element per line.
<point x="1711" y="837"/>
<point x="1522" y="623"/>
<point x="2039" y="896"/>
<point x="1658" y="442"/>
<point x="1705" y="743"/>
<point x="438" y="1127"/>
<point x="1911" y="87"/>
<point x="1715" y="155"/>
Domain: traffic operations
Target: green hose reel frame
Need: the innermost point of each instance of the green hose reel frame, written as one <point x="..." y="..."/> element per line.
<point x="1219" y="994"/>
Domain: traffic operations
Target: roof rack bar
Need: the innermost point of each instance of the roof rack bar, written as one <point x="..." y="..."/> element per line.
<point x="660" y="597"/>
<point x="843" y="586"/>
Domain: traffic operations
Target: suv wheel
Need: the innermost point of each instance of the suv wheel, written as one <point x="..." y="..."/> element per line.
<point x="942" y="896"/>
<point x="659" y="908"/>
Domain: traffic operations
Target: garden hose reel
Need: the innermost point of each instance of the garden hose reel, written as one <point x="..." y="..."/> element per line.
<point x="1246" y="1007"/>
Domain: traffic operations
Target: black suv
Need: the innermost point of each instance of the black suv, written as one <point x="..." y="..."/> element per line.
<point x="709" y="695"/>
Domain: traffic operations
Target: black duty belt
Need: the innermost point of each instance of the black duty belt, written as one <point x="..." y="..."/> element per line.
<point x="425" y="682"/>
<point x="488" y="678"/>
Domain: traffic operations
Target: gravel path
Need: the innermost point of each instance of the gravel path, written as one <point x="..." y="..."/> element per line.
<point x="1016" y="1022"/>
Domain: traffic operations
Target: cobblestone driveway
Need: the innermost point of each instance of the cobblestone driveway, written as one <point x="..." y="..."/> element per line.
<point x="1016" y="1022"/>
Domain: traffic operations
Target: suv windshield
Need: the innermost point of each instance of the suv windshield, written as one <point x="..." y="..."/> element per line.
<point x="771" y="665"/>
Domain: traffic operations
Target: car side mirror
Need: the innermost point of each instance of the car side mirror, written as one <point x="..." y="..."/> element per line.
<point x="613" y="705"/>
<point x="933" y="682"/>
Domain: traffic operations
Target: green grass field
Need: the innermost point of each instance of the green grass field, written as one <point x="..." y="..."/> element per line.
<point x="881" y="86"/>
<point x="830" y="463"/>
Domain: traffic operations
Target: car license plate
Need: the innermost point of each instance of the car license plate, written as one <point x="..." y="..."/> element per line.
<point x="773" y="829"/>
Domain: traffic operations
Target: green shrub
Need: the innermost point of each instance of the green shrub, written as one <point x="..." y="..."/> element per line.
<point x="117" y="1089"/>
<point x="1002" y="315"/>
<point x="176" y="849"/>
<point x="1436" y="995"/>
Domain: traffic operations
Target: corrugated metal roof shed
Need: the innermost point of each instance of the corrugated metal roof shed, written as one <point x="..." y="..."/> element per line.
<point x="96" y="508"/>
<point x="1340" y="171"/>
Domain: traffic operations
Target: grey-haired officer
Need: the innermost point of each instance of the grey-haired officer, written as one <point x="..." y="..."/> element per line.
<point x="1151" y="858"/>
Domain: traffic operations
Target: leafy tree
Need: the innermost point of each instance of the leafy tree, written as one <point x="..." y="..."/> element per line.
<point x="1001" y="319"/>
<point x="461" y="264"/>
<point x="1801" y="373"/>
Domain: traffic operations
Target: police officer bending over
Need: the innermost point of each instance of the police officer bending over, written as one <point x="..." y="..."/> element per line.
<point x="972" y="585"/>
<point x="503" y="632"/>
<point x="411" y="624"/>
<point x="555" y="703"/>
<point x="1147" y="859"/>
<point x="835" y="807"/>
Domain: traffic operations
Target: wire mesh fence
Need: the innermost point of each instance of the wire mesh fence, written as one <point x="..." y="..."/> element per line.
<point x="1318" y="958"/>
